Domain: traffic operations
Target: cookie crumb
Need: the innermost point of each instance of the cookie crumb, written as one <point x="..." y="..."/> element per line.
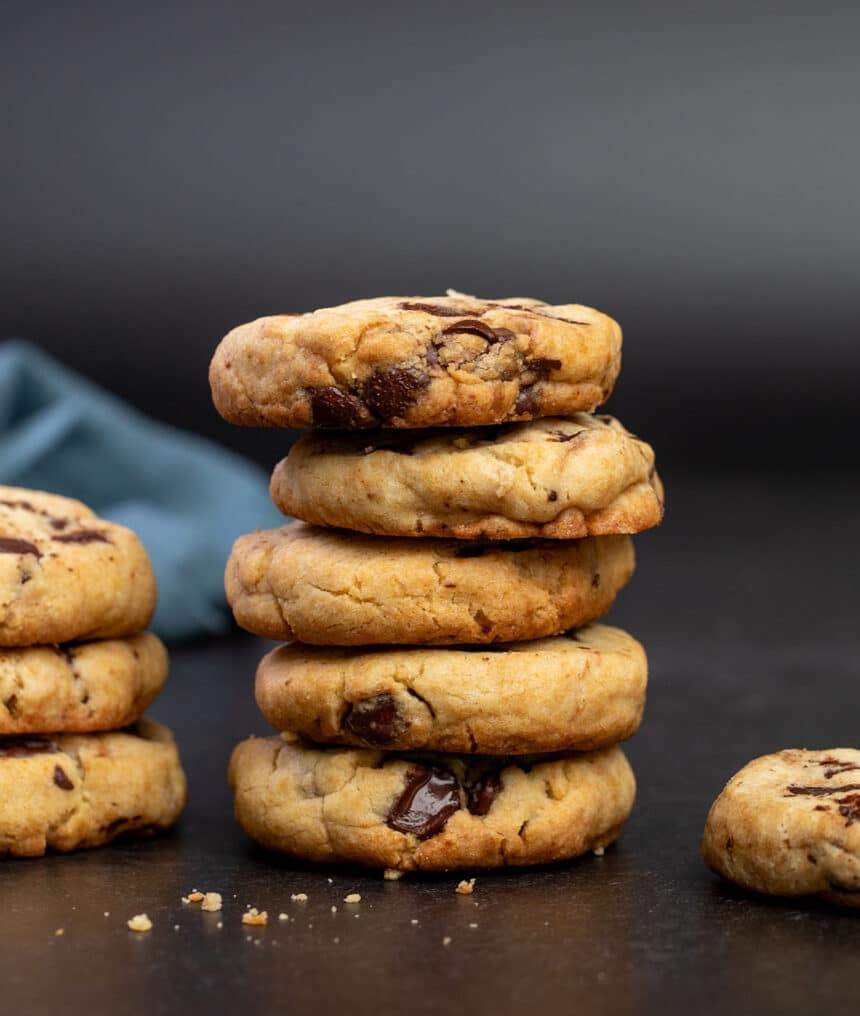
<point x="60" y="931"/>
<point x="352" y="898"/>
<point x="599" y="851"/>
<point x="473" y="925"/>
<point x="299" y="897"/>
<point x="212" y="902"/>
<point x="195" y="896"/>
<point x="414" y="920"/>
<point x="220" y="924"/>
<point x="283" y="917"/>
<point x="446" y="940"/>
<point x="334" y="910"/>
<point x="335" y="940"/>
<point x="140" y="922"/>
<point x="392" y="874"/>
<point x="330" y="881"/>
<point x="176" y="927"/>
<point x="107" y="913"/>
<point x="466" y="887"/>
<point x="255" y="917"/>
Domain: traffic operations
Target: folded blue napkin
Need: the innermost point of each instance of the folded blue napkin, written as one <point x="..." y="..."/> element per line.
<point x="186" y="498"/>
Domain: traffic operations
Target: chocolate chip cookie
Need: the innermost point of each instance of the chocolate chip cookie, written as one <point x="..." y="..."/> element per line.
<point x="574" y="692"/>
<point x="80" y="687"/>
<point x="560" y="478"/>
<point x="416" y="362"/>
<point x="67" y="575"/>
<point x="327" y="587"/>
<point x="788" y="824"/>
<point x="428" y="812"/>
<point x="68" y="791"/>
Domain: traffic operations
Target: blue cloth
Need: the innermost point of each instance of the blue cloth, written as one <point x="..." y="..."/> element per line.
<point x="186" y="498"/>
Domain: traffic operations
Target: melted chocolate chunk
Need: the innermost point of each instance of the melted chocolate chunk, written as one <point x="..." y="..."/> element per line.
<point x="432" y="308"/>
<point x="849" y="808"/>
<point x="59" y="524"/>
<point x="429" y="799"/>
<point x="540" y="313"/>
<point x="24" y="747"/>
<point x="61" y="780"/>
<point x="483" y="793"/>
<point x="474" y="327"/>
<point x="542" y="366"/>
<point x="82" y="536"/>
<point x="331" y="407"/>
<point x="822" y="791"/>
<point x="527" y="402"/>
<point x="836" y="767"/>
<point x="12" y="545"/>
<point x="377" y="721"/>
<point x="390" y="393"/>
<point x="560" y="436"/>
<point x="552" y="495"/>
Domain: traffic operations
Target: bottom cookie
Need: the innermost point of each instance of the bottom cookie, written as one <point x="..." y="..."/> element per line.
<point x="427" y="812"/>
<point x="67" y="791"/>
<point x="788" y="824"/>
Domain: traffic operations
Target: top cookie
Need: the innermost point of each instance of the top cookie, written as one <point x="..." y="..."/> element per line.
<point x="788" y="824"/>
<point x="416" y="362"/>
<point x="67" y="575"/>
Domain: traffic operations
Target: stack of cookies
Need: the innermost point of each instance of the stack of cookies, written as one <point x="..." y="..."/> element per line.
<point x="444" y="698"/>
<point x="79" y="765"/>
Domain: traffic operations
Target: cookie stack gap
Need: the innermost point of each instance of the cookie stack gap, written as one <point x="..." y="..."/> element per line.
<point x="79" y="762"/>
<point x="445" y="699"/>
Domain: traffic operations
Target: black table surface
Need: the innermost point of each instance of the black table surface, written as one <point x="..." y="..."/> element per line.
<point x="746" y="602"/>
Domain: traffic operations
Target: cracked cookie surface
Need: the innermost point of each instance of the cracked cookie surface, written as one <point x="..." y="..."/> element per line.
<point x="67" y="575"/>
<point x="80" y="687"/>
<point x="788" y="824"/>
<point x="558" y="478"/>
<point x="327" y="587"/>
<point x="68" y="791"/>
<point x="573" y="692"/>
<point x="416" y="362"/>
<point x="424" y="811"/>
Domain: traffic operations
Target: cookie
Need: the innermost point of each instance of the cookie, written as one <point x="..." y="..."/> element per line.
<point x="327" y="587"/>
<point x="788" y="824"/>
<point x="574" y="692"/>
<point x="69" y="791"/>
<point x="82" y="687"/>
<point x="361" y="806"/>
<point x="67" y="575"/>
<point x="556" y="478"/>
<point x="416" y="362"/>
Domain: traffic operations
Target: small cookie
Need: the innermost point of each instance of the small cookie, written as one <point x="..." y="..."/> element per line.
<point x="326" y="587"/>
<point x="78" y="688"/>
<point x="574" y="692"/>
<point x="557" y="478"/>
<point x="430" y="812"/>
<point x="70" y="791"/>
<point x="67" y="575"/>
<point x="416" y="362"/>
<point x="788" y="824"/>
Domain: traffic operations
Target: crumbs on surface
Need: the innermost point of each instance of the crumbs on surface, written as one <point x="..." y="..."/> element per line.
<point x="352" y="898"/>
<point x="392" y="874"/>
<point x="140" y="922"/>
<point x="446" y="940"/>
<point x="60" y="931"/>
<point x="466" y="887"/>
<point x="212" y="902"/>
<point x="299" y="897"/>
<point x="255" y="917"/>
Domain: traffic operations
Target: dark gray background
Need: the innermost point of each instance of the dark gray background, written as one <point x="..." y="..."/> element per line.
<point x="169" y="170"/>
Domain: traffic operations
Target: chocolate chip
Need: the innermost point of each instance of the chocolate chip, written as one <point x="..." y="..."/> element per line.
<point x="12" y="545"/>
<point x="473" y="327"/>
<point x="23" y="747"/>
<point x="82" y="536"/>
<point x="527" y="402"/>
<point x="541" y="366"/>
<point x="822" y="791"/>
<point x="430" y="797"/>
<point x="390" y="393"/>
<point x="432" y="308"/>
<point x="331" y="407"/>
<point x="377" y="721"/>
<point x="483" y="793"/>
<point x="59" y="524"/>
<point x="61" y="780"/>
<point x="552" y="495"/>
<point x="836" y="767"/>
<point x="849" y="807"/>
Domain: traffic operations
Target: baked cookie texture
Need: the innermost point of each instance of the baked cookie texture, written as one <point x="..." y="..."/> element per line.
<point x="69" y="791"/>
<point x="81" y="687"/>
<point x="574" y="692"/>
<point x="328" y="587"/>
<point x="416" y="362"/>
<point x="67" y="575"/>
<point x="554" y="478"/>
<point x="428" y="812"/>
<point x="788" y="824"/>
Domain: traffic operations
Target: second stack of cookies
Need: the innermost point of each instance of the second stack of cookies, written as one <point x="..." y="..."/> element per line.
<point x="446" y="700"/>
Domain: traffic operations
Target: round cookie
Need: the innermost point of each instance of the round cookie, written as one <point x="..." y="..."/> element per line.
<point x="67" y="575"/>
<point x="429" y="812"/>
<point x="574" y="692"/>
<point x="416" y="362"/>
<point x="70" y="791"/>
<point x="557" y="478"/>
<point x="327" y="587"/>
<point x="788" y="824"/>
<point x="79" y="688"/>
